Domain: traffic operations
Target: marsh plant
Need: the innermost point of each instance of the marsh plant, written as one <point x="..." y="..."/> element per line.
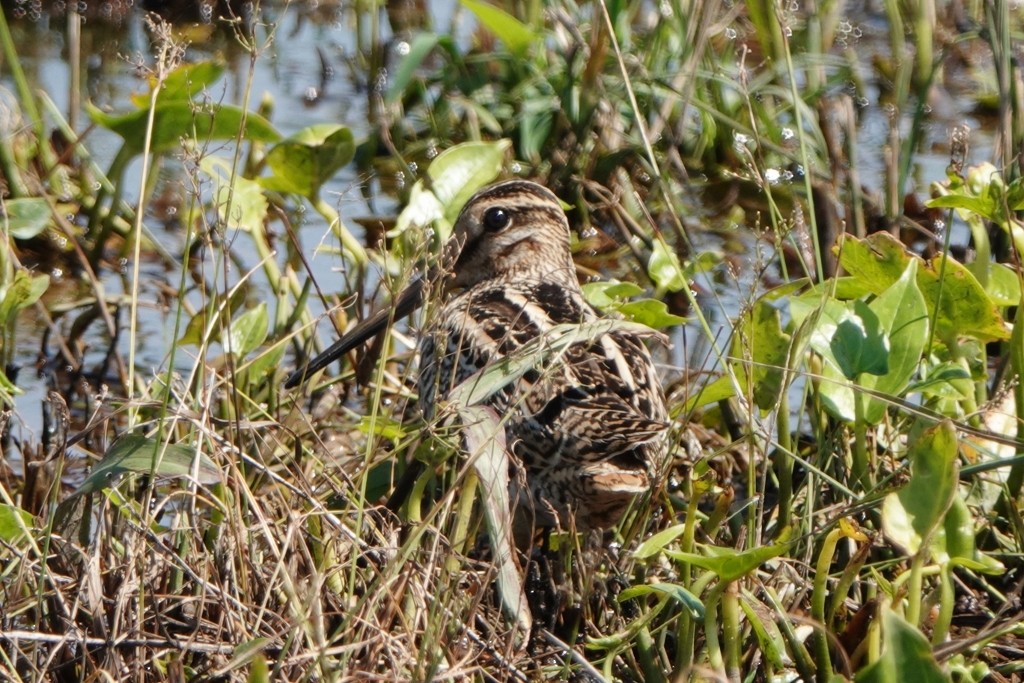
<point x="835" y="322"/>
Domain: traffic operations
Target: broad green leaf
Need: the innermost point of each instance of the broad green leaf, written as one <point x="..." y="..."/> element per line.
<point x="858" y="343"/>
<point x="911" y="515"/>
<point x="823" y="318"/>
<point x="607" y="295"/>
<point x="14" y="522"/>
<point x="182" y="84"/>
<point x="306" y="160"/>
<point x="769" y="636"/>
<point x="138" y="454"/>
<point x="650" y="312"/>
<point x="174" y="122"/>
<point x="248" y="331"/>
<point x="762" y="340"/>
<point x="456" y="174"/>
<point x="712" y="392"/>
<point x="24" y="291"/>
<point x="387" y="428"/>
<point x="964" y="308"/>
<point x="665" y="269"/>
<point x="945" y="380"/>
<point x="682" y="596"/>
<point x="1003" y="285"/>
<point x="514" y="33"/>
<point x="199" y="329"/>
<point x="904" y="320"/>
<point x="954" y="539"/>
<point x="266" y="361"/>
<point x="906" y="655"/>
<point x="26" y="217"/>
<point x="241" y="205"/>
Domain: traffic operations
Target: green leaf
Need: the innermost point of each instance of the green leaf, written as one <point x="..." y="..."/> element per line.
<point x="248" y="331"/>
<point x="182" y="84"/>
<point x="954" y="539"/>
<point x="26" y="217"/>
<point x="420" y="46"/>
<point x="657" y="543"/>
<point x="761" y="338"/>
<point x="240" y="205"/>
<point x="665" y="269"/>
<point x="516" y="35"/>
<point x="858" y="343"/>
<point x="1003" y="285"/>
<point x="24" y="291"/>
<point x="819" y="320"/>
<point x="174" y="122"/>
<point x="14" y="523"/>
<point x="267" y="361"/>
<point x="955" y="299"/>
<point x="910" y="516"/>
<point x="138" y="454"/>
<point x="712" y="392"/>
<point x="904" y="319"/>
<point x="303" y="162"/>
<point x="906" y="655"/>
<point x="535" y="124"/>
<point x="607" y="295"/>
<point x="682" y="596"/>
<point x="456" y="175"/>
<point x="650" y="312"/>
<point x="730" y="564"/>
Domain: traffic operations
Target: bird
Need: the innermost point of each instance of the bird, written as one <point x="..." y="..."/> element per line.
<point x="586" y="435"/>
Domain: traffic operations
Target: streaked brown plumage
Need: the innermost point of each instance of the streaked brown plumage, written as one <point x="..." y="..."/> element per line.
<point x="588" y="432"/>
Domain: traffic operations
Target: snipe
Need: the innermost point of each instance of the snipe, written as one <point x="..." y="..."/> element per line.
<point x="589" y="432"/>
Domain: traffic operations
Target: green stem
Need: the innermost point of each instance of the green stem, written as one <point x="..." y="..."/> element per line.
<point x="915" y="587"/>
<point x="347" y="239"/>
<point x="818" y="599"/>
<point x="731" y="630"/>
<point x="859" y="474"/>
<point x="946" y="603"/>
<point x="714" y="648"/>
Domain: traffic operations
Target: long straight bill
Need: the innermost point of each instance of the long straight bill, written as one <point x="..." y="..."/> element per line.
<point x="407" y="302"/>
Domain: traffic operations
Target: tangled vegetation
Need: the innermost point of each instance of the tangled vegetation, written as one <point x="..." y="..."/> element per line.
<point x="842" y="360"/>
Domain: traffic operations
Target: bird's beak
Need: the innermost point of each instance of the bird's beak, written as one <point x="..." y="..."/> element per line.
<point x="408" y="301"/>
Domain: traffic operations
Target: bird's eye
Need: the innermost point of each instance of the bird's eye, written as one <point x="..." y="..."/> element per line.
<point x="497" y="218"/>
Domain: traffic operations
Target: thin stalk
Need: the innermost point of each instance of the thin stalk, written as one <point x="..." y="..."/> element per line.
<point x="344" y="235"/>
<point x="731" y="631"/>
<point x="687" y="627"/>
<point x="713" y="645"/>
<point x="915" y="587"/>
<point x="819" y="597"/>
<point x="162" y="62"/>
<point x="859" y="473"/>
<point x="947" y="601"/>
